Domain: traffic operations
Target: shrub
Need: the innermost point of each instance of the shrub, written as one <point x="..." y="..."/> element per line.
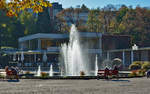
<point x="2" y="76"/>
<point x="44" y="74"/>
<point x="82" y="73"/>
<point x="141" y="72"/>
<point x="136" y="65"/>
<point x="133" y="74"/>
<point x="138" y="62"/>
<point x="27" y="72"/>
<point x="146" y="65"/>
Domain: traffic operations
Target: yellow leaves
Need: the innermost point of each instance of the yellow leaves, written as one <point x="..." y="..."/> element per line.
<point x="122" y="26"/>
<point x="43" y="4"/>
<point x="15" y="6"/>
<point x="26" y="32"/>
<point x="10" y="13"/>
<point x="112" y="24"/>
<point x="2" y="4"/>
<point x="37" y="9"/>
<point x="4" y="25"/>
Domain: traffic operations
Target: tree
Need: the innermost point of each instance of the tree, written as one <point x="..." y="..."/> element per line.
<point x="106" y="17"/>
<point x="29" y="22"/>
<point x="14" y="27"/>
<point x="14" y="7"/>
<point x="11" y="29"/>
<point x="136" y="23"/>
<point x="44" y="22"/>
<point x="93" y="21"/>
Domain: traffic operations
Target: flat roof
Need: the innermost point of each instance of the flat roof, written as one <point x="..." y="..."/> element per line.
<point x="121" y="50"/>
<point x="57" y="36"/>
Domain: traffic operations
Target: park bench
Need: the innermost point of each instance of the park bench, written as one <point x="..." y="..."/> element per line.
<point x="107" y="73"/>
<point x="11" y="73"/>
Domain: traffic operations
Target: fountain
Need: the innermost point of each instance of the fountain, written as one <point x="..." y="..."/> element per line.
<point x="74" y="58"/>
<point x="51" y="70"/>
<point x="96" y="66"/>
<point x="106" y="63"/>
<point x="61" y="73"/>
<point x="22" y="56"/>
<point x="39" y="71"/>
<point x="14" y="57"/>
<point x="18" y="57"/>
<point x="44" y="57"/>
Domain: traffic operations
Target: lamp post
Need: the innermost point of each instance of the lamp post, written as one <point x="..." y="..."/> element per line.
<point x="1" y="47"/>
<point x="0" y="41"/>
<point x="134" y="47"/>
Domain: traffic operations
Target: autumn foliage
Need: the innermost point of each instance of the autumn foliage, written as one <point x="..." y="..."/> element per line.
<point x="13" y="7"/>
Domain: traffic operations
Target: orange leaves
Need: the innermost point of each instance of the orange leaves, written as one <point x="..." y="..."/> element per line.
<point x="37" y="9"/>
<point x="2" y="4"/>
<point x="15" y="6"/>
<point x="11" y="13"/>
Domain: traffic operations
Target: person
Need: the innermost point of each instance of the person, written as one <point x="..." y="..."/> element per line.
<point x="148" y="74"/>
<point x="11" y="72"/>
<point x="115" y="71"/>
<point x="106" y="73"/>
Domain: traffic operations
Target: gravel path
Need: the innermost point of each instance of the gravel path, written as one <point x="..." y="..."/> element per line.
<point x="37" y="86"/>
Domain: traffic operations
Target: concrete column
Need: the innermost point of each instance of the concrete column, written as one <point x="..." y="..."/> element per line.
<point x="108" y="55"/>
<point x="35" y="58"/>
<point x="123" y="58"/>
<point x="100" y="45"/>
<point x="39" y="44"/>
<point x="100" y="42"/>
<point x="132" y="56"/>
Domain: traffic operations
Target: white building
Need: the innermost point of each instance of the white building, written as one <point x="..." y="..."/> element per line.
<point x="35" y="46"/>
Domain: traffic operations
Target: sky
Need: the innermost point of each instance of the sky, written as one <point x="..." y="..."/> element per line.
<point x="102" y="3"/>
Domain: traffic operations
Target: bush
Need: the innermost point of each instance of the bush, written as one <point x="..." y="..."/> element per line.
<point x="141" y="72"/>
<point x="136" y="73"/>
<point x="138" y="62"/>
<point x="82" y="73"/>
<point x="133" y="74"/>
<point x="44" y="75"/>
<point x="2" y="76"/>
<point x="27" y="72"/>
<point x="136" y="65"/>
<point x="146" y="65"/>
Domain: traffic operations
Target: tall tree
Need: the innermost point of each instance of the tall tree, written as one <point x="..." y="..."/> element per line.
<point x="44" y="22"/>
<point x="14" y="7"/>
<point x="93" y="21"/>
<point x="28" y="20"/>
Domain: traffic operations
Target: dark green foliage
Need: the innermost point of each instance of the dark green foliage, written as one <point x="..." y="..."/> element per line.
<point x="43" y="22"/>
<point x="12" y="28"/>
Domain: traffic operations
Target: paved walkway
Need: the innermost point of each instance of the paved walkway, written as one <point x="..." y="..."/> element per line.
<point x="37" y="86"/>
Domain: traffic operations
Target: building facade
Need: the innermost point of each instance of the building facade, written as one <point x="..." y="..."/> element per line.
<point x="33" y="48"/>
<point x="54" y="10"/>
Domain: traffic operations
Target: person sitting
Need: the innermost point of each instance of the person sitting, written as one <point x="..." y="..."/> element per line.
<point x="115" y="72"/>
<point x="11" y="71"/>
<point x="14" y="71"/>
<point x="106" y="73"/>
<point x="148" y="74"/>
